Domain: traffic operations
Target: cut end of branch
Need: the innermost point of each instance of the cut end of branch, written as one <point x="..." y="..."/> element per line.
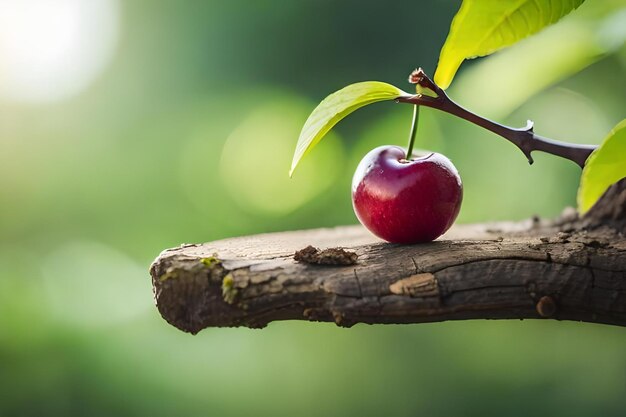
<point x="417" y="76"/>
<point x="424" y="84"/>
<point x="196" y="292"/>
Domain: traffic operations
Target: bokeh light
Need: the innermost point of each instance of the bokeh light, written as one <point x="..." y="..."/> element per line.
<point x="255" y="155"/>
<point x="52" y="49"/>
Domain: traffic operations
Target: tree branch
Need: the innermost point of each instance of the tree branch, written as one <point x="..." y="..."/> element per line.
<point x="574" y="269"/>
<point x="524" y="138"/>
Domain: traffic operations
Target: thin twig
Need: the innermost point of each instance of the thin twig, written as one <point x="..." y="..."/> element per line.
<point x="524" y="138"/>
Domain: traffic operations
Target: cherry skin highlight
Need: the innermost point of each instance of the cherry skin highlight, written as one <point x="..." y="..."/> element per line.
<point x="404" y="201"/>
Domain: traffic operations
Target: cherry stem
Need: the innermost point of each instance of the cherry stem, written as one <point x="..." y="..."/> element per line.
<point x="416" y="117"/>
<point x="524" y="138"/>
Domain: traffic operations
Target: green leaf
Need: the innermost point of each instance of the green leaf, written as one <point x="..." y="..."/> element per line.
<point x="605" y="167"/>
<point x="481" y="27"/>
<point x="337" y="106"/>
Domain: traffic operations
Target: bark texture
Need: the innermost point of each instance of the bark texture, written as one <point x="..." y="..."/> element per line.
<point x="569" y="269"/>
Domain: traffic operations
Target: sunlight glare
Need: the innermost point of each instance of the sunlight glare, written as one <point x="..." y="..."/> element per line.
<point x="53" y="49"/>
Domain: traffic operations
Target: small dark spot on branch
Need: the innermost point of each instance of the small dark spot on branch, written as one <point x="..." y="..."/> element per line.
<point x="546" y="306"/>
<point x="330" y="256"/>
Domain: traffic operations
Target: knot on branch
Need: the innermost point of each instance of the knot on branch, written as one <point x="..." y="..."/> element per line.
<point x="546" y="306"/>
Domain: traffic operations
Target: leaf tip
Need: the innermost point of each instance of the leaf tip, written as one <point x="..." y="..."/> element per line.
<point x="445" y="72"/>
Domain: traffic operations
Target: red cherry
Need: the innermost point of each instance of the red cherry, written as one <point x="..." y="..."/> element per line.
<point x="405" y="201"/>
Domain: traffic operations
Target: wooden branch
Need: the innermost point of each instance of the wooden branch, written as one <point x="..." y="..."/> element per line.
<point x="574" y="269"/>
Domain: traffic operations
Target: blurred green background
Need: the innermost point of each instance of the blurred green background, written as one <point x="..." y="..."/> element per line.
<point x="127" y="127"/>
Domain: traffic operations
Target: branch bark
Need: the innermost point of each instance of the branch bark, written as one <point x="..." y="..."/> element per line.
<point x="571" y="269"/>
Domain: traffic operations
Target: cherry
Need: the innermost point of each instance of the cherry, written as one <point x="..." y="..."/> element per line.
<point x="406" y="201"/>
